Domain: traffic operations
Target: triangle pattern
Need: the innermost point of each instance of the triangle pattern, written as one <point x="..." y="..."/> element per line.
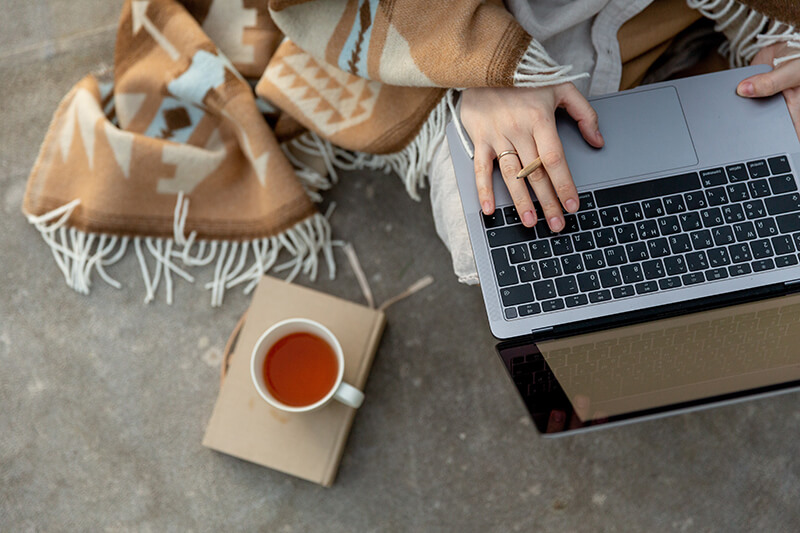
<point x="121" y="143"/>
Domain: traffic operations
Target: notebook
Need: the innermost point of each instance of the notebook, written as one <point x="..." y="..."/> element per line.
<point x="305" y="445"/>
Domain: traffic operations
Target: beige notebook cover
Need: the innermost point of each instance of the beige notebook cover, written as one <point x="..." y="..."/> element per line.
<point x="306" y="445"/>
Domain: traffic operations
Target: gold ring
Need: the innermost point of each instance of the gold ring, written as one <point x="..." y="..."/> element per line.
<point x="507" y="152"/>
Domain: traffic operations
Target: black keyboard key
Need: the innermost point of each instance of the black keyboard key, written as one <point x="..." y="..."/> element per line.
<point x="494" y="220"/>
<point x="761" y="249"/>
<point x="764" y="264"/>
<point x="512" y="217"/>
<point x="542" y="229"/>
<point x="695" y="200"/>
<point x="745" y="231"/>
<point x="610" y="216"/>
<point x="779" y="165"/>
<point x="733" y="213"/>
<point x="716" y="273"/>
<point x="566" y="285"/>
<point x="586" y="201"/>
<point x="690" y="221"/>
<point x="646" y="287"/>
<point x="516" y="295"/>
<point x="518" y="254"/>
<point x="712" y="217"/>
<point x="541" y="249"/>
<point x="510" y="235"/>
<point x="675" y="265"/>
<point x="736" y="172"/>
<point x="506" y="274"/>
<point x="787" y="203"/>
<point x="594" y="259"/>
<point x="528" y="272"/>
<point x="631" y="212"/>
<point x="758" y="169"/>
<point x="625" y="233"/>
<point x="624" y="291"/>
<point x="754" y="209"/>
<point x="653" y="269"/>
<point x="782" y="244"/>
<point x="716" y="196"/>
<point x="647" y="189"/>
<point x="658" y="247"/>
<point x="680" y="243"/>
<point x="766" y="227"/>
<point x="588" y="220"/>
<point x="697" y="261"/>
<point x="669" y="283"/>
<point x="610" y="277"/>
<point x="637" y="251"/>
<point x="562" y="245"/>
<point x="740" y="270"/>
<point x="588" y="281"/>
<point x="604" y="237"/>
<point x="582" y="241"/>
<point x="553" y="305"/>
<point x="669" y="225"/>
<point x="550" y="268"/>
<point x="599" y="296"/>
<point x="782" y="184"/>
<point x="737" y="192"/>
<point x="648" y="229"/>
<point x="723" y="236"/>
<point x="571" y="264"/>
<point x="576" y="300"/>
<point x="701" y="239"/>
<point x="789" y="223"/>
<point x="740" y="253"/>
<point x="718" y="257"/>
<point x="653" y="208"/>
<point x="693" y="278"/>
<point x="615" y="256"/>
<point x="632" y="273"/>
<point x="674" y="204"/>
<point x="785" y="261"/>
<point x="570" y="224"/>
<point x="529" y="309"/>
<point x="713" y="176"/>
<point x="544" y="289"/>
<point x="759" y="188"/>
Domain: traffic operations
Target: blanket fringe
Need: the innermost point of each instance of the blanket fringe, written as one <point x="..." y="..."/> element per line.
<point x="79" y="254"/>
<point x="538" y="69"/>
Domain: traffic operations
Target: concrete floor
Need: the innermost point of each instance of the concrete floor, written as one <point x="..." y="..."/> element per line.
<point x="105" y="399"/>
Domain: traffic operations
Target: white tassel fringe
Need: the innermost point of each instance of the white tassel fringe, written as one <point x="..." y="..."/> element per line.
<point x="538" y="69"/>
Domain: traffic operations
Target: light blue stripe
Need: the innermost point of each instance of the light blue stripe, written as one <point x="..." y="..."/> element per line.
<point x="350" y="44"/>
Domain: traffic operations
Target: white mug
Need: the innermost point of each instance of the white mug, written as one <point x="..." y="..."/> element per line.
<point x="341" y="391"/>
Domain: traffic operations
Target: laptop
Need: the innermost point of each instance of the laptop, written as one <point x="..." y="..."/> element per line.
<point x="689" y="223"/>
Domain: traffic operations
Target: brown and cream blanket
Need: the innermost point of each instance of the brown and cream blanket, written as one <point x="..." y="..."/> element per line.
<point x="209" y="140"/>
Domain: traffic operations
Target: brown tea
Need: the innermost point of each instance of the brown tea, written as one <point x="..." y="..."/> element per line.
<point x="300" y="369"/>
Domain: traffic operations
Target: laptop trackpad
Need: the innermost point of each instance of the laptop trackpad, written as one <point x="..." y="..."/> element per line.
<point x="644" y="131"/>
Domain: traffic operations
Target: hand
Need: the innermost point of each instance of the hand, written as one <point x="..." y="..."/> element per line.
<point x="523" y="119"/>
<point x="784" y="78"/>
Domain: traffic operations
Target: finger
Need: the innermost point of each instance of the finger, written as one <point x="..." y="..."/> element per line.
<point x="556" y="421"/>
<point x="769" y="83"/>
<point x="793" y="103"/>
<point x="555" y="164"/>
<point x="584" y="114"/>
<point x="484" y="165"/>
<point x="509" y="167"/>
<point x="540" y="183"/>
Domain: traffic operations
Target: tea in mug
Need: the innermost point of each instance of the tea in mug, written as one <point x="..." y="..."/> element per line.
<point x="300" y="369"/>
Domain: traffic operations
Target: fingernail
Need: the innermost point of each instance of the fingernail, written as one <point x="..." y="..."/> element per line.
<point x="555" y="224"/>
<point x="487" y="207"/>
<point x="598" y="135"/>
<point x="527" y="218"/>
<point x="746" y="89"/>
<point x="558" y="416"/>
<point x="572" y="205"/>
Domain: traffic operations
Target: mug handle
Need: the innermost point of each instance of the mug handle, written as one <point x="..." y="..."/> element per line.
<point x="349" y="395"/>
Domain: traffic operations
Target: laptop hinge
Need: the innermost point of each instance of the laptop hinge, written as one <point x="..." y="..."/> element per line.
<point x="791" y="283"/>
<point x="540" y="332"/>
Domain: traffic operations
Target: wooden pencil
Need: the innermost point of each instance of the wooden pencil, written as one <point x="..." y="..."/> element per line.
<point x="528" y="170"/>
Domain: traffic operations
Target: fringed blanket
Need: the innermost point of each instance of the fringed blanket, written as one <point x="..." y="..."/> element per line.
<point x="174" y="153"/>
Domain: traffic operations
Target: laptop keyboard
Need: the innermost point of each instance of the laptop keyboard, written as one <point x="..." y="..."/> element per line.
<point x="650" y="236"/>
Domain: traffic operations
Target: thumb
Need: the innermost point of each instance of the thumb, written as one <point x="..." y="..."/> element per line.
<point x="769" y="83"/>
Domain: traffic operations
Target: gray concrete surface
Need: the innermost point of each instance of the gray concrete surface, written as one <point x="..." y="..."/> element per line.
<point x="105" y="399"/>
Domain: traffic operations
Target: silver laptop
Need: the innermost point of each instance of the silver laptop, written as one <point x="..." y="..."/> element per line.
<point x="692" y="204"/>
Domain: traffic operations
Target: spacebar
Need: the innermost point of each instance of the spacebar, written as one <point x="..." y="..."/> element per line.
<point x="647" y="189"/>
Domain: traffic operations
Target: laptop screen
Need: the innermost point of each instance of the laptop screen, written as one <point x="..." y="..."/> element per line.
<point x="660" y="367"/>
